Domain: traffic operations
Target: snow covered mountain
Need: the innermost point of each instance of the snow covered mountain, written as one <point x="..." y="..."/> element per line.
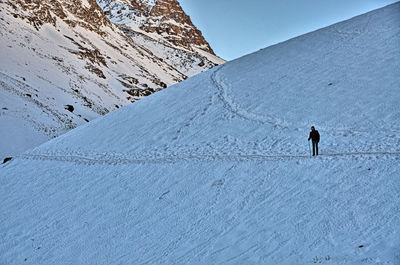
<point x="164" y="28"/>
<point x="216" y="169"/>
<point x="63" y="63"/>
<point x="164" y="20"/>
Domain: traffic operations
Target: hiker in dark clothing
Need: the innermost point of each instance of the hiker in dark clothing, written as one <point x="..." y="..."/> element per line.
<point x="314" y="136"/>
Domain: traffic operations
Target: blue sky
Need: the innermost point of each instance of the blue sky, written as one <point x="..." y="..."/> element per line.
<point x="237" y="27"/>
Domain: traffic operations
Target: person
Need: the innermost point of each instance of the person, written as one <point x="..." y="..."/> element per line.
<point x="314" y="136"/>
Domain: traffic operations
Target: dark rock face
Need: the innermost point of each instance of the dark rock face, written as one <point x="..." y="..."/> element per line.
<point x="7" y="159"/>
<point x="70" y="108"/>
<point x="185" y="34"/>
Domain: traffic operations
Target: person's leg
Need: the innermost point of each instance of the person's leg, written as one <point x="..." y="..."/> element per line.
<point x="316" y="148"/>
<point x="313" y="148"/>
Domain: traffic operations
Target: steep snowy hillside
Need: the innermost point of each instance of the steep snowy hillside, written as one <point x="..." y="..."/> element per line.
<point x="216" y="169"/>
<point x="63" y="63"/>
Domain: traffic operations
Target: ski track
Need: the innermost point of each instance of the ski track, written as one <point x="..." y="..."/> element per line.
<point x="126" y="159"/>
<point x="231" y="106"/>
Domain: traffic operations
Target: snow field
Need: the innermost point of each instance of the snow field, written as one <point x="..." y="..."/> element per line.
<point x="279" y="212"/>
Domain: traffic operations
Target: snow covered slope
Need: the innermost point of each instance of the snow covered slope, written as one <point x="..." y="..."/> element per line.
<point x="216" y="169"/>
<point x="63" y="63"/>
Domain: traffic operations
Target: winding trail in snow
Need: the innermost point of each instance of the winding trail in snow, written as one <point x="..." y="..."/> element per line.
<point x="126" y="159"/>
<point x="230" y="105"/>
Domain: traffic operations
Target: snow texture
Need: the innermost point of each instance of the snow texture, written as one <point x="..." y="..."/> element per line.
<point x="216" y="169"/>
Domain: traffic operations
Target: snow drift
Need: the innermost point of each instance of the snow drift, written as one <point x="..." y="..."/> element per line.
<point x="216" y="169"/>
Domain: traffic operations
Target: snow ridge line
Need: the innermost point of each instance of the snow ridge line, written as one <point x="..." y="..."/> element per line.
<point x="230" y="105"/>
<point x="126" y="159"/>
